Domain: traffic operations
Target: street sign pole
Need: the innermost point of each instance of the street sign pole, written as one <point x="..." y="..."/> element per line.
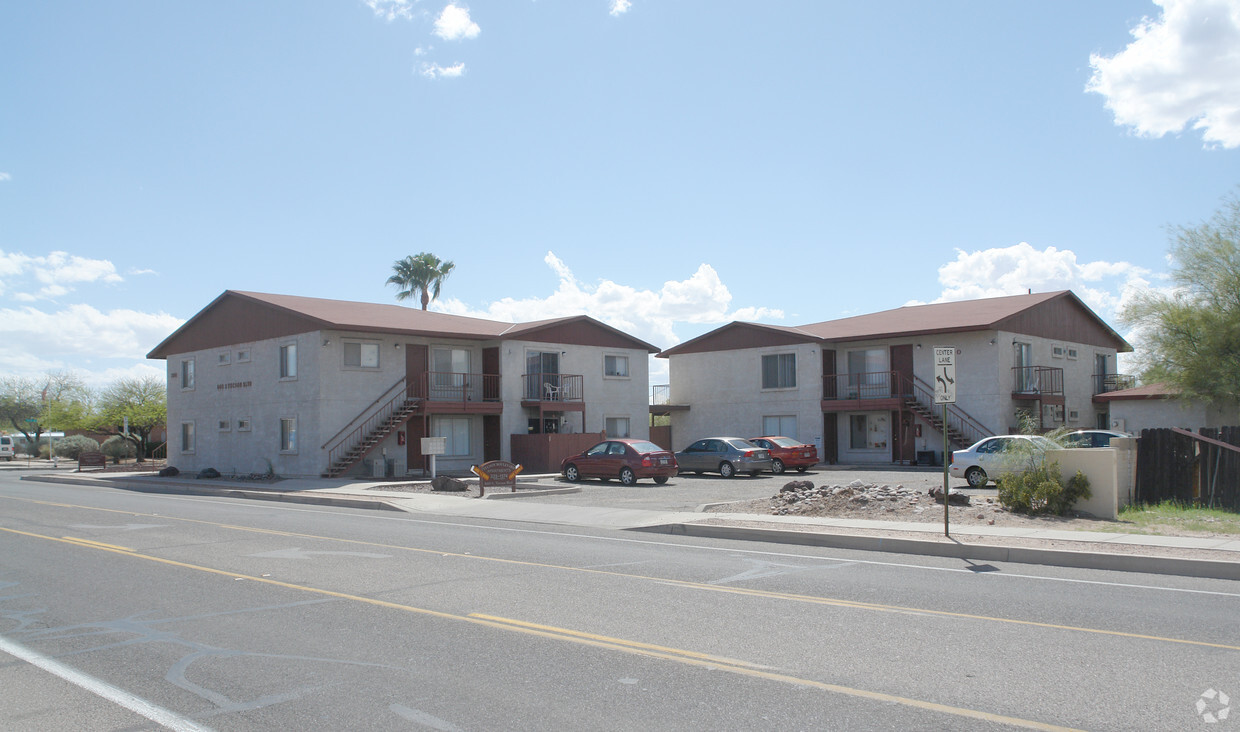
<point x="945" y="393"/>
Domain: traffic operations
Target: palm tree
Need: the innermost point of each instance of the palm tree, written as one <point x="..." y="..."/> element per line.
<point x="423" y="273"/>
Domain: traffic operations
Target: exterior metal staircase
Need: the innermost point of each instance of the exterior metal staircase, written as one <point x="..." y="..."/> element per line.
<point x="368" y="429"/>
<point x="962" y="429"/>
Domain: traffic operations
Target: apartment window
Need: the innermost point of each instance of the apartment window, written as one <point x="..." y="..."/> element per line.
<point x="361" y="355"/>
<point x="288" y="361"/>
<point x="1072" y="354"/>
<point x="867" y="432"/>
<point x="243" y="424"/>
<point x="456" y="432"/>
<point x="1057" y="351"/>
<point x="784" y="425"/>
<point x="617" y="366"/>
<point x="1074" y="415"/>
<point x="187" y="374"/>
<point x="779" y="371"/>
<point x="243" y="355"/>
<point x="867" y="374"/>
<point x="617" y="427"/>
<point x="224" y="358"/>
<point x="187" y="437"/>
<point x="288" y="434"/>
<point x="225" y="425"/>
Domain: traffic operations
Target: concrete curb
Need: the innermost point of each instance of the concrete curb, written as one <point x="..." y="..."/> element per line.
<point x="1202" y="568"/>
<point x="377" y="504"/>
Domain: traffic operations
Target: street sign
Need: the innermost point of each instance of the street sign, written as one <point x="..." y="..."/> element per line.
<point x="945" y="375"/>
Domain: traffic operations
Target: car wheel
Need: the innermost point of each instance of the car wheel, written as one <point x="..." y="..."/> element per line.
<point x="777" y="466"/>
<point x="661" y="479"/>
<point x="727" y="470"/>
<point x="627" y="477"/>
<point x="976" y="477"/>
<point x="571" y="474"/>
<point x="802" y="469"/>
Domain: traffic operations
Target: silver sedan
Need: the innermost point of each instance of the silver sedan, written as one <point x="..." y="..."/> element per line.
<point x="724" y="455"/>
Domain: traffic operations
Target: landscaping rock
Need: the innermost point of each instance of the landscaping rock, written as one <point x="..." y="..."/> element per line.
<point x="208" y="473"/>
<point x="169" y="472"/>
<point x="444" y="483"/>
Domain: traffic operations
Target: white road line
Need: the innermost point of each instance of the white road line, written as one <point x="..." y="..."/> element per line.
<point x="135" y="704"/>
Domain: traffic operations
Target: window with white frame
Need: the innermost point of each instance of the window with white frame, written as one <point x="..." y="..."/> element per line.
<point x="187" y="437"/>
<point x="360" y="355"/>
<point x="225" y="425"/>
<point x="243" y="355"/>
<point x="456" y="433"/>
<point x="1072" y="354"/>
<point x="288" y="434"/>
<point x="224" y="358"/>
<point x="243" y="424"/>
<point x="617" y="427"/>
<point x="288" y="361"/>
<point x="1057" y="351"/>
<point x="779" y="371"/>
<point x="616" y="366"/>
<point x="784" y="425"/>
<point x="187" y="373"/>
<point x="867" y="432"/>
<point x="450" y="373"/>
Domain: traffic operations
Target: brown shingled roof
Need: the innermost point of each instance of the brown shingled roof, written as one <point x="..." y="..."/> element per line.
<point x="1014" y="312"/>
<point x="239" y="317"/>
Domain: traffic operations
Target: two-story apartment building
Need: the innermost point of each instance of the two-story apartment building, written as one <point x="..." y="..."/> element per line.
<point x="308" y="386"/>
<point x="861" y="388"/>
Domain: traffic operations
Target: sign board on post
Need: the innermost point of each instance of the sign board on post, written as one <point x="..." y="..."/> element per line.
<point x="945" y="393"/>
<point x="496" y="474"/>
<point x="434" y="446"/>
<point x="944" y="375"/>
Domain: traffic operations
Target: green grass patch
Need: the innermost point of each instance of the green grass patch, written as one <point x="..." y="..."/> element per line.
<point x="1174" y="517"/>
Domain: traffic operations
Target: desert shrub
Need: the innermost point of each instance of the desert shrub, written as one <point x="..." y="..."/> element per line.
<point x="74" y="445"/>
<point x="1041" y="490"/>
<point x="117" y="448"/>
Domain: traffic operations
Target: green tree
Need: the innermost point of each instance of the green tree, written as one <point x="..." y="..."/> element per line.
<point x="422" y="273"/>
<point x="59" y="400"/>
<point x="1190" y="337"/>
<point x="142" y="402"/>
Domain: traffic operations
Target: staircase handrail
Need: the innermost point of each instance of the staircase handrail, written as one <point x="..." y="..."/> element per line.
<point x="964" y="423"/>
<point x="400" y="383"/>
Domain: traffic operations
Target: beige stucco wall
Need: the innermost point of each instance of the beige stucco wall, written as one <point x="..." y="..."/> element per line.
<point x="1134" y="415"/>
<point x="1111" y="473"/>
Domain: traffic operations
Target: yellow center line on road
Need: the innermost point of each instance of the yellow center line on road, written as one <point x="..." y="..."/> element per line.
<point x="587" y="639"/>
<point x="812" y="599"/>
<point x="89" y="542"/>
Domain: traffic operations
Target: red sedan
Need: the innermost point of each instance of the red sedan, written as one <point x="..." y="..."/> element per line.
<point x="625" y="459"/>
<point x="788" y="453"/>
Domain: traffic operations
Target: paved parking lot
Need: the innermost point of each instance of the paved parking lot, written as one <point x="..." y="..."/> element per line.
<point x="687" y="492"/>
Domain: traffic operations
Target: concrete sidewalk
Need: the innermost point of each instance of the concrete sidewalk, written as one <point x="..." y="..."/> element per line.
<point x="1085" y="549"/>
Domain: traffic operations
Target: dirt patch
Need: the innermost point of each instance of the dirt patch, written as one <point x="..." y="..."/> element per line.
<point x="910" y="502"/>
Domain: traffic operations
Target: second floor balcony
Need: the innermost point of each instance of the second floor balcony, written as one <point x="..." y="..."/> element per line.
<point x="1104" y="383"/>
<point x="1044" y="383"/>
<point x="541" y="387"/>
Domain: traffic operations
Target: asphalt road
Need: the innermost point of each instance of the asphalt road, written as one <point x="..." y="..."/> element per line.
<point x="117" y="608"/>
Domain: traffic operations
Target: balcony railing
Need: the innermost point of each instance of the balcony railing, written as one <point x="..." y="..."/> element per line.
<point x="554" y="388"/>
<point x="447" y="386"/>
<point x="660" y="395"/>
<point x="870" y="385"/>
<point x="1104" y="383"/>
<point x="1037" y="380"/>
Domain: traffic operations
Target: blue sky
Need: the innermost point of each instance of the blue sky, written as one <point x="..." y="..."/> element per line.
<point x="666" y="167"/>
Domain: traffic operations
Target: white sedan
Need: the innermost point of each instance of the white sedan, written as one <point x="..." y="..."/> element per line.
<point x="991" y="457"/>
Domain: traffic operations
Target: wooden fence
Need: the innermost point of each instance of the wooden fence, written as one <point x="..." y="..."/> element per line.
<point x="1201" y="468"/>
<point x="542" y="453"/>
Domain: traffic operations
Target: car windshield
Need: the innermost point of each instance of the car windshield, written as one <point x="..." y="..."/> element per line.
<point x="644" y="447"/>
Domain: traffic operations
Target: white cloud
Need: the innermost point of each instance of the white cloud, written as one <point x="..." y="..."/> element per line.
<point x="454" y="23"/>
<point x="390" y="10"/>
<point x="620" y="7"/>
<point x="79" y="338"/>
<point x="4" y="177"/>
<point x="1181" y="69"/>
<point x="435" y="71"/>
<point x="57" y="272"/>
<point x="649" y="315"/>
